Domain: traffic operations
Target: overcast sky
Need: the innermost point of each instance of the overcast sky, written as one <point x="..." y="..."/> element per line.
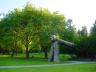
<point x="82" y="12"/>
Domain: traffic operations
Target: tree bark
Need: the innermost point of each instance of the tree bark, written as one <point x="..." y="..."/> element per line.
<point x="45" y="53"/>
<point x="26" y="45"/>
<point x="27" y="53"/>
<point x="12" y="53"/>
<point x="16" y="52"/>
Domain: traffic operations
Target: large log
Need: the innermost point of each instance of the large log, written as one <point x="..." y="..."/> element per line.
<point x="70" y="44"/>
<point x="56" y="38"/>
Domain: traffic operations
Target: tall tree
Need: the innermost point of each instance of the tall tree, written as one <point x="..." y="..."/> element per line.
<point x="9" y="28"/>
<point x="84" y="32"/>
<point x="32" y="27"/>
<point x="93" y="29"/>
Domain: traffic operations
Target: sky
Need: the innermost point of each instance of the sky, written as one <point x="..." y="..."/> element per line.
<point x="82" y="12"/>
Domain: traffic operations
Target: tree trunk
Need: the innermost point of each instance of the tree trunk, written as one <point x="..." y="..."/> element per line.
<point x="26" y="45"/>
<point x="45" y="53"/>
<point x="27" y="53"/>
<point x="12" y="53"/>
<point x="16" y="52"/>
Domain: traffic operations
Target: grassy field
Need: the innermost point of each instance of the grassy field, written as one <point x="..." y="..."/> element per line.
<point x="6" y="60"/>
<point x="68" y="68"/>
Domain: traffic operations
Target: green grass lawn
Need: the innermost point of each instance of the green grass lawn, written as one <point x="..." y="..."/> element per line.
<point x="6" y="60"/>
<point x="66" y="68"/>
<point x="21" y="60"/>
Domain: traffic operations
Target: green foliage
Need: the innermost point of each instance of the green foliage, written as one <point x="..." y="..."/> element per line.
<point x="93" y="29"/>
<point x="86" y="46"/>
<point x="69" y="34"/>
<point x="30" y="27"/>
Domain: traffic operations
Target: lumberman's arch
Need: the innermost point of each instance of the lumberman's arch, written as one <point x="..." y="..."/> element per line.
<point x="54" y="52"/>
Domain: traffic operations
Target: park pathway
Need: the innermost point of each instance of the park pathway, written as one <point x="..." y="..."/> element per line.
<point x="49" y="65"/>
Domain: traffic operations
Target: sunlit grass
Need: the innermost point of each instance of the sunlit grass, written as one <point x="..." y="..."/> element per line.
<point x="35" y="58"/>
<point x="20" y="59"/>
<point x="68" y="68"/>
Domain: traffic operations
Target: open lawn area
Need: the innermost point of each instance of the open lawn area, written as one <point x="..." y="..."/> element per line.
<point x="20" y="60"/>
<point x="65" y="68"/>
<point x="6" y="60"/>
